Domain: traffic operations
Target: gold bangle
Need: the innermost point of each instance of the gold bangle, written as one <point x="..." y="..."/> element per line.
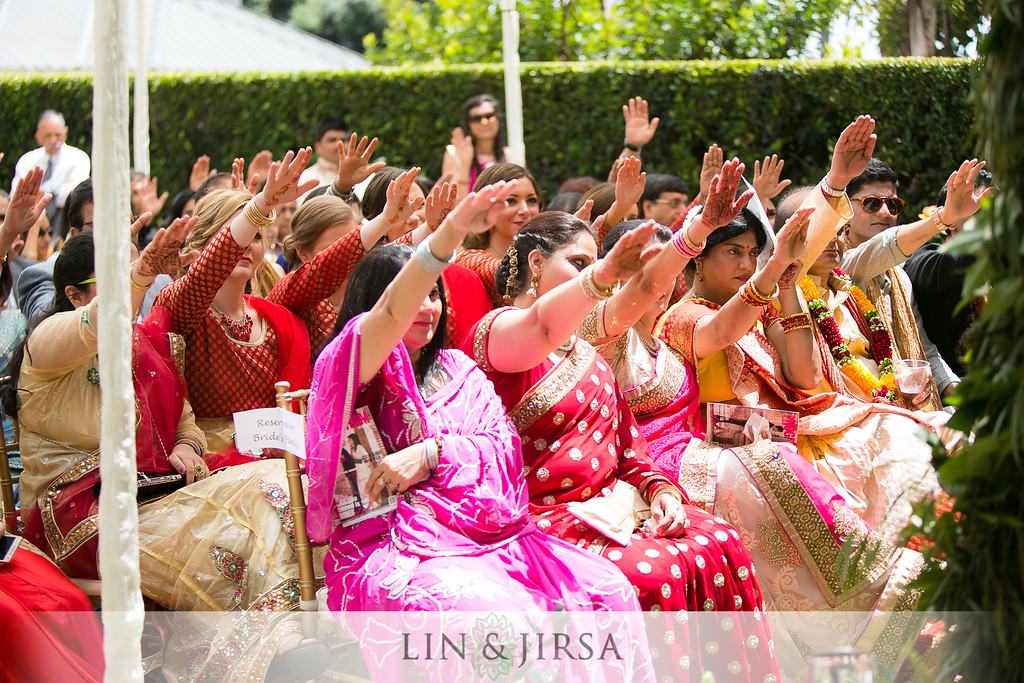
<point x="254" y="217"/>
<point x="135" y="285"/>
<point x="765" y="298"/>
<point x="689" y="243"/>
<point x="603" y="292"/>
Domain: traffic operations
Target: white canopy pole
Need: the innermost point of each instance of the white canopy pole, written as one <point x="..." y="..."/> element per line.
<point x="141" y="91"/>
<point x="513" y="88"/>
<point x="119" y="514"/>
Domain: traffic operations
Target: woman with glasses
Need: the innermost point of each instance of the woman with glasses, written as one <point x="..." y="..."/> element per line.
<point x="476" y="144"/>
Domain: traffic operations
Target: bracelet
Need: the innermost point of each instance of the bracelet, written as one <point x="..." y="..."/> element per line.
<point x="254" y="217"/>
<point x="682" y="243"/>
<point x="591" y="289"/>
<point x="432" y="449"/>
<point x="631" y="147"/>
<point x="192" y="441"/>
<point x="135" y="285"/>
<point x="751" y="297"/>
<point x="431" y="263"/>
<point x="797" y="321"/>
<point x="658" y="488"/>
<point x="766" y="298"/>
<point x="829" y="191"/>
<point x="334" y="193"/>
<point x="938" y="219"/>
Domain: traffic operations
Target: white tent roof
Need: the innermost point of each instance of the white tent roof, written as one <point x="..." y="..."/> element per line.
<point x="182" y="35"/>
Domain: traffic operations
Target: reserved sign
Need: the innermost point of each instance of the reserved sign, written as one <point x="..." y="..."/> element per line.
<point x="270" y="428"/>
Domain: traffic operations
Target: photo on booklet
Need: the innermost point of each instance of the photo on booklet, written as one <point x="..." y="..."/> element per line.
<point x="361" y="450"/>
<point x="734" y="425"/>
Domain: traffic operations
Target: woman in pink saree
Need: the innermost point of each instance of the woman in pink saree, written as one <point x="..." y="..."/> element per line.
<point x="461" y="539"/>
<point x="583" y="448"/>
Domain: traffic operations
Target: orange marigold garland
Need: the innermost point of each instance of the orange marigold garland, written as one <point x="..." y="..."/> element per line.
<point x="883" y="388"/>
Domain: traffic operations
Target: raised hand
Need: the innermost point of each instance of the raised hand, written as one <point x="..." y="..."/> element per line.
<point x="613" y="174"/>
<point x="792" y="240"/>
<point x="27" y="203"/>
<point x="639" y="129"/>
<point x="852" y="153"/>
<point x="162" y="256"/>
<point x="963" y="196"/>
<point x="583" y="213"/>
<point x="625" y="258"/>
<point x="630" y="182"/>
<point x="479" y="211"/>
<point x="283" y="179"/>
<point x="354" y="162"/>
<point x="258" y="168"/>
<point x="721" y="205"/>
<point x="462" y="145"/>
<point x="238" y="175"/>
<point x="713" y="160"/>
<point x="439" y="203"/>
<point x="148" y="200"/>
<point x="200" y="172"/>
<point x="766" y="177"/>
<point x="398" y="208"/>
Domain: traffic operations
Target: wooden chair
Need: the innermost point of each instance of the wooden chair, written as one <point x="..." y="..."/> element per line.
<point x="297" y="500"/>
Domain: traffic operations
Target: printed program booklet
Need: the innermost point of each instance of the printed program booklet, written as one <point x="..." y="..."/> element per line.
<point x="361" y="450"/>
<point x="734" y="425"/>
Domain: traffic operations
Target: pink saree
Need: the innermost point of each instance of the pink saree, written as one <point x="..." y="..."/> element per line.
<point x="462" y="540"/>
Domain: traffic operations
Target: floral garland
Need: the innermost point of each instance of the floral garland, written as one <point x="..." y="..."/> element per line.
<point x="883" y="388"/>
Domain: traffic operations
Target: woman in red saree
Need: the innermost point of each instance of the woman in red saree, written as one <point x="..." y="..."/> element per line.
<point x="581" y="443"/>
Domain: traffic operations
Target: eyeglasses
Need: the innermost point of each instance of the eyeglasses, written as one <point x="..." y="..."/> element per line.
<point x="477" y="118"/>
<point x="674" y="203"/>
<point x="874" y="204"/>
<point x="86" y="282"/>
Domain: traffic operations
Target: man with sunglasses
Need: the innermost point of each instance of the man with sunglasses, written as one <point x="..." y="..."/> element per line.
<point x="876" y="247"/>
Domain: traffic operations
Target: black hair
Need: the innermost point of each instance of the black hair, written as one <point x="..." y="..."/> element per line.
<point x="744" y="222"/>
<point x="210" y="184"/>
<point x="499" y="142"/>
<point x="370" y="278"/>
<point x="657" y="183"/>
<point x="79" y="197"/>
<point x="74" y="264"/>
<point x="877" y="171"/>
<point x="375" y="194"/>
<point x="566" y="201"/>
<point x="663" y="234"/>
<point x="547" y="233"/>
<point x="329" y="124"/>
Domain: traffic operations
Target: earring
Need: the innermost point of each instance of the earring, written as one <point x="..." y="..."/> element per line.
<point x="534" y="284"/>
<point x="700" y="269"/>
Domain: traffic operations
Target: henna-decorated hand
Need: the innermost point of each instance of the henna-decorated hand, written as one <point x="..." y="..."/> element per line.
<point x="625" y="258"/>
<point x="162" y="256"/>
<point x="439" y="203"/>
<point x="398" y="208"/>
<point x="283" y="179"/>
<point x="721" y="204"/>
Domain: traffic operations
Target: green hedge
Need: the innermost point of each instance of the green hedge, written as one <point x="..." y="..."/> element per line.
<point x="572" y="113"/>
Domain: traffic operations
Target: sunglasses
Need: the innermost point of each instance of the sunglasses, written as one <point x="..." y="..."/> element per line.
<point x="477" y="118"/>
<point x="874" y="204"/>
<point x="89" y="281"/>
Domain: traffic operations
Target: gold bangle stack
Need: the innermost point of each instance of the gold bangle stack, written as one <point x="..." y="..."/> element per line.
<point x="135" y="285"/>
<point x="591" y="289"/>
<point x="797" y="321"/>
<point x="254" y="217"/>
<point x="750" y="296"/>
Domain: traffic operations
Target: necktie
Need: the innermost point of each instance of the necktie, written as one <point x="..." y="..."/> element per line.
<point x="49" y="169"/>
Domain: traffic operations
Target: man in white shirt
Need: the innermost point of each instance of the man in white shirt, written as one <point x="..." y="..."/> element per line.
<point x="64" y="166"/>
<point x="329" y="132"/>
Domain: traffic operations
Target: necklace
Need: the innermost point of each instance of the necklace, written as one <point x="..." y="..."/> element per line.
<point x="882" y="388"/>
<point x="652" y="349"/>
<point x="567" y="346"/>
<point x="238" y="330"/>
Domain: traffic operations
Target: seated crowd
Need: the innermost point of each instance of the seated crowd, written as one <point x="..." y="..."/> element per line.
<point x="536" y="376"/>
